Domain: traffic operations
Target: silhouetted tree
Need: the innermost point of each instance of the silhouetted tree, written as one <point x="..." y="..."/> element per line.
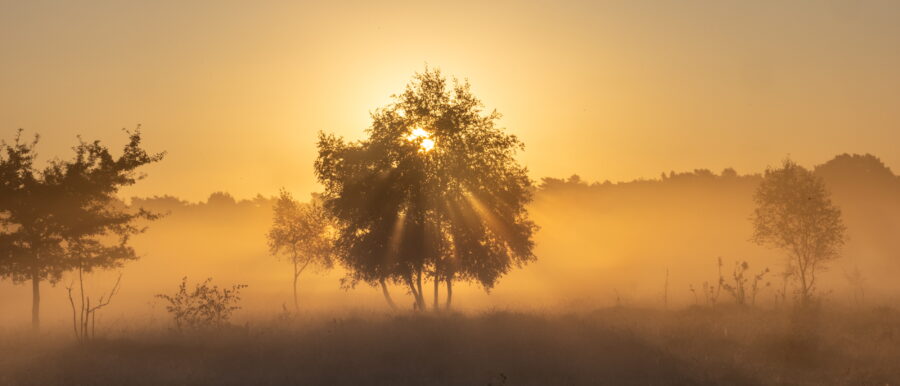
<point x="66" y="216"/>
<point x="794" y="212"/>
<point x="303" y="232"/>
<point x="434" y="190"/>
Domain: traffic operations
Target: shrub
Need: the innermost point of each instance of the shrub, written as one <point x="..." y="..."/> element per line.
<point x="746" y="285"/>
<point x="206" y="306"/>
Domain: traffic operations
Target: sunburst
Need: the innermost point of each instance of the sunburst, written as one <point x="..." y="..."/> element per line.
<point x="423" y="137"/>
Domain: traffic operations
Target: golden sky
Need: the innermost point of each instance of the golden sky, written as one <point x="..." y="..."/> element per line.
<point x="235" y="91"/>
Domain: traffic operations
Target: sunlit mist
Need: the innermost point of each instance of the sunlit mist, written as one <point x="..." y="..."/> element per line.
<point x="547" y="192"/>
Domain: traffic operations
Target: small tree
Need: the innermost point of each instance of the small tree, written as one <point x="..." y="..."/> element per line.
<point x="206" y="306"/>
<point x="794" y="213"/>
<point x="84" y="322"/>
<point x="304" y="233"/>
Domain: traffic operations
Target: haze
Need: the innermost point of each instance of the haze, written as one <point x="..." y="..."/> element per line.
<point x="609" y="90"/>
<point x="707" y="192"/>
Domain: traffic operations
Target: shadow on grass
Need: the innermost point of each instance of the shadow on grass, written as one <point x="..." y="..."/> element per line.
<point x="497" y="348"/>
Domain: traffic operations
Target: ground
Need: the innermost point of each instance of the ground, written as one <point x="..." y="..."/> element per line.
<point x="614" y="346"/>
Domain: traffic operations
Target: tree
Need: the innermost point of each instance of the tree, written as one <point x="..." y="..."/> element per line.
<point x="66" y="216"/>
<point x="794" y="212"/>
<point x="303" y="232"/>
<point x="435" y="190"/>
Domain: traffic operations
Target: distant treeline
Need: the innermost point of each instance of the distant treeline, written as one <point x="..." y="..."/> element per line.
<point x="846" y="174"/>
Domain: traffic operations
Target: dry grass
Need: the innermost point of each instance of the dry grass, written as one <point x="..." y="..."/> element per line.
<point x="611" y="346"/>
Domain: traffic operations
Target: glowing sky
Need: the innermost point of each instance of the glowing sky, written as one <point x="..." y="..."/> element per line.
<point x="235" y="91"/>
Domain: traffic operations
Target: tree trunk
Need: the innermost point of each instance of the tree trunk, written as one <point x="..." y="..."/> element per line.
<point x="804" y="290"/>
<point x="449" y="292"/>
<point x="296" y="304"/>
<point x="297" y="272"/>
<point x="35" y="301"/>
<point x="420" y="296"/>
<point x="387" y="295"/>
<point x="412" y="290"/>
<point x="82" y="316"/>
<point x="437" y="282"/>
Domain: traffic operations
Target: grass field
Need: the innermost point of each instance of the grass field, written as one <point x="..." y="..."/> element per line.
<point x="610" y="346"/>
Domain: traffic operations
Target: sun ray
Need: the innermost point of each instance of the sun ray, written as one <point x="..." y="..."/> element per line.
<point x="397" y="233"/>
<point x="496" y="226"/>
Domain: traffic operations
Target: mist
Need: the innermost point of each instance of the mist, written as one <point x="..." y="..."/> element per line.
<point x="600" y="244"/>
<point x="467" y="193"/>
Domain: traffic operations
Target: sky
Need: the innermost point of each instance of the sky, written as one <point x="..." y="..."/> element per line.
<point x="236" y="91"/>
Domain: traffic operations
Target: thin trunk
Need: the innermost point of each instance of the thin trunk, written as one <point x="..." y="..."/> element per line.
<point x="804" y="294"/>
<point x="83" y="316"/>
<point x="296" y="304"/>
<point x="297" y="272"/>
<point x="412" y="290"/>
<point x="84" y="325"/>
<point x="387" y="295"/>
<point x="449" y="291"/>
<point x="421" y="294"/>
<point x="72" y="303"/>
<point x="35" y="301"/>
<point x="437" y="282"/>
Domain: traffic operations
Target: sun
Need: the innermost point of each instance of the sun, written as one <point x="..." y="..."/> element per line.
<point x="426" y="144"/>
<point x="417" y="133"/>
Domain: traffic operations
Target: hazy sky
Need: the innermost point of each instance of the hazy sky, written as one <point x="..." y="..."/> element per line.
<point x="235" y="91"/>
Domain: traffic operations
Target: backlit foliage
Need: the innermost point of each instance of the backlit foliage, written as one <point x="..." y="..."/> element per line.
<point x="451" y="209"/>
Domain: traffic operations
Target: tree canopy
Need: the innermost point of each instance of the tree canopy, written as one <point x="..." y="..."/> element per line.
<point x="434" y="190"/>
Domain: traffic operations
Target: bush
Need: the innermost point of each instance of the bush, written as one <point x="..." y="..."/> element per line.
<point x="206" y="306"/>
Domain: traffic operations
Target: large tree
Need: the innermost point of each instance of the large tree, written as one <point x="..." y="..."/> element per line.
<point x="434" y="192"/>
<point x="66" y="216"/>
<point x="794" y="213"/>
<point x="304" y="233"/>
